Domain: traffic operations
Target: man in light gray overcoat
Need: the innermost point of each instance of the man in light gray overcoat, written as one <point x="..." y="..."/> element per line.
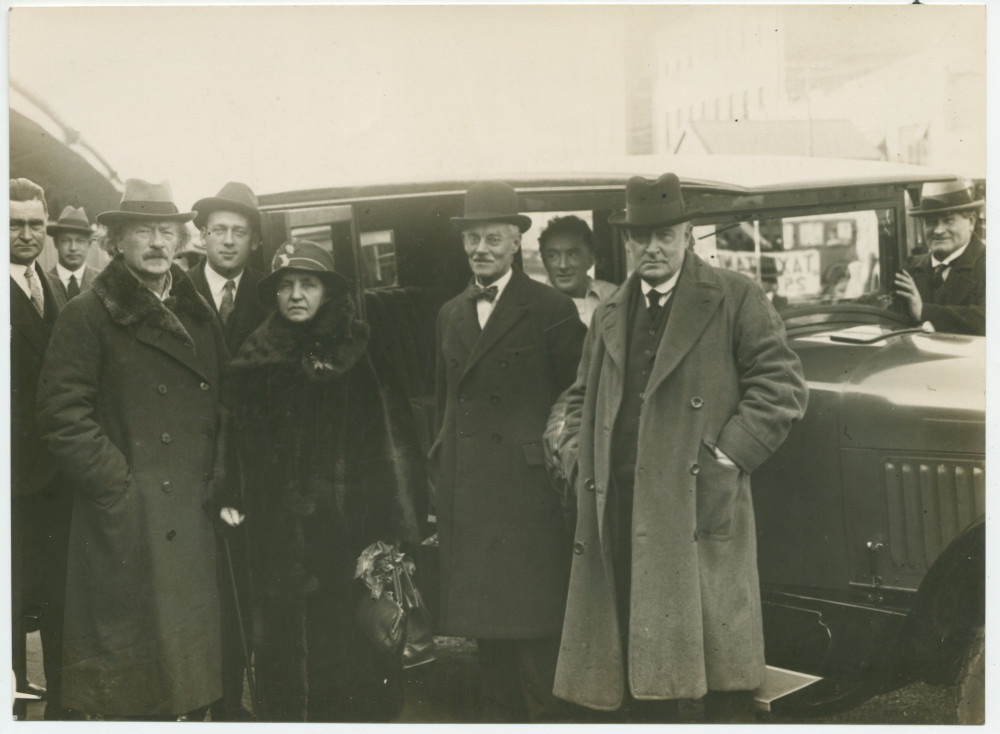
<point x="685" y="387"/>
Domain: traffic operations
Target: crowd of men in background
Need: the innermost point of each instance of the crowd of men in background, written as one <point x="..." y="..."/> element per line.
<point x="603" y="596"/>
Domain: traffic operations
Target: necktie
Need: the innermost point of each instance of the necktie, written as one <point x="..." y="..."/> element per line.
<point x="228" y="304"/>
<point x="654" y="304"/>
<point x="73" y="288"/>
<point x="35" y="288"/>
<point x="938" y="278"/>
<point x="478" y="292"/>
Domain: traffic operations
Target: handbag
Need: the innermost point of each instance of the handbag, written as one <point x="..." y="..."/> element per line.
<point x="389" y="609"/>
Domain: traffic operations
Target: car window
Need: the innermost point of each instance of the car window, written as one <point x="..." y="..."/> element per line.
<point x="531" y="257"/>
<point x="803" y="260"/>
<point x="378" y="253"/>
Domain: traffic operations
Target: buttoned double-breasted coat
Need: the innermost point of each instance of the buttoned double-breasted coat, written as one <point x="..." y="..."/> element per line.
<point x="723" y="377"/>
<point x="129" y="406"/>
<point x="504" y="554"/>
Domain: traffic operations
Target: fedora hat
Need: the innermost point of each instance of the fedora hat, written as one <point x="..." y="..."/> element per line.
<point x="491" y="201"/>
<point x="301" y="255"/>
<point x="652" y="203"/>
<point x="72" y="219"/>
<point x="233" y="197"/>
<point x="145" y="201"/>
<point x="946" y="196"/>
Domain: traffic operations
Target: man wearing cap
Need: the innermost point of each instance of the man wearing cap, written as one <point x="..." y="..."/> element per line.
<point x="71" y="235"/>
<point x="128" y="403"/>
<point x="685" y="387"/>
<point x="39" y="506"/>
<point x="230" y="228"/>
<point x="506" y="348"/>
<point x="947" y="285"/>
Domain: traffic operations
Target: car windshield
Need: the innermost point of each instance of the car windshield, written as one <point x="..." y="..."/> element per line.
<point x="803" y="260"/>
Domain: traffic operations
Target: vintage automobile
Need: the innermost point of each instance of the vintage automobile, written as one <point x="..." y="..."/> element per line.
<point x="871" y="516"/>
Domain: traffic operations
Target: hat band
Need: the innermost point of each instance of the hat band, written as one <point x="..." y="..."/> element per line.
<point x="72" y="224"/>
<point x="652" y="213"/>
<point x="148" y="207"/>
<point x="292" y="263"/>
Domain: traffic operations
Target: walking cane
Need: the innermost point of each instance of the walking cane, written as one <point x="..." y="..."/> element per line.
<point x="239" y="621"/>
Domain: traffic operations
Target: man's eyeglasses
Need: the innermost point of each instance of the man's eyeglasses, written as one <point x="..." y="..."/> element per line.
<point x="220" y="231"/>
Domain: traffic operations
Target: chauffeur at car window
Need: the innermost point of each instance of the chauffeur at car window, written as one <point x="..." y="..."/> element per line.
<point x="947" y="285"/>
<point x="506" y="347"/>
<point x="685" y="387"/>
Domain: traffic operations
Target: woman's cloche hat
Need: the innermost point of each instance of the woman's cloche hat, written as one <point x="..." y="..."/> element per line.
<point x="302" y="256"/>
<point x="658" y="203"/>
<point x="937" y="198"/>
<point x="72" y="219"/>
<point x="491" y="201"/>
<point x="145" y="201"/>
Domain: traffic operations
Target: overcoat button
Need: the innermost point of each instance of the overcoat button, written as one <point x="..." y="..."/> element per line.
<point x="209" y="432"/>
<point x="162" y="389"/>
<point x="165" y="438"/>
<point x="496" y="438"/>
<point x="453" y="362"/>
<point x="578" y="548"/>
<point x="695" y="468"/>
<point x="697" y="402"/>
<point x="171" y="534"/>
<point x="494" y="398"/>
<point x="204" y="386"/>
<point x="503" y="364"/>
<point x="589" y="485"/>
<point x="167" y="487"/>
<point x="463" y="397"/>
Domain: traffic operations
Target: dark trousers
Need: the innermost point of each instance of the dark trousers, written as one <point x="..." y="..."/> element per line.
<point x="39" y="541"/>
<point x="516" y="679"/>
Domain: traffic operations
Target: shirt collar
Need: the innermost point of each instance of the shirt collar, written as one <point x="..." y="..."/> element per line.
<point x="167" y="285"/>
<point x="65" y="273"/>
<point x="951" y="258"/>
<point x="17" y="269"/>
<point x="217" y="283"/>
<point x="500" y="283"/>
<point x="665" y="288"/>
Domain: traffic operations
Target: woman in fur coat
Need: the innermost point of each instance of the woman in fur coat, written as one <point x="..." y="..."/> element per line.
<point x="328" y="461"/>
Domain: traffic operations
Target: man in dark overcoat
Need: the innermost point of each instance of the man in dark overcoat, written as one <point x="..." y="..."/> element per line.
<point x="229" y="223"/>
<point x="40" y="505"/>
<point x="129" y="406"/>
<point x="685" y="387"/>
<point x="947" y="284"/>
<point x="506" y="348"/>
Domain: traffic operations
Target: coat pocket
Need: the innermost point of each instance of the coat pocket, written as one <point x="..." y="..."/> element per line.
<point x="716" y="487"/>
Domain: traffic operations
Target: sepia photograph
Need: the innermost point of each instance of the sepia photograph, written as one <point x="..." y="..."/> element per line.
<point x="567" y="364"/>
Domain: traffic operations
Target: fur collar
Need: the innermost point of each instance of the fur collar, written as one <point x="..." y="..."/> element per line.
<point x="130" y="302"/>
<point x="326" y="346"/>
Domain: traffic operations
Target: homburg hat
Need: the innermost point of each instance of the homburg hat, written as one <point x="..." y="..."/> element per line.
<point x="302" y="256"/>
<point x="656" y="203"/>
<point x="233" y="197"/>
<point x="939" y="198"/>
<point x="145" y="201"/>
<point x="491" y="201"/>
<point x="72" y="219"/>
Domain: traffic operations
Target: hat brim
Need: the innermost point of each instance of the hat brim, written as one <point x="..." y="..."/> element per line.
<point x="621" y="219"/>
<point x="522" y="222"/>
<point x="204" y="207"/>
<point x="120" y="216"/>
<point x="918" y="212"/>
<point x="267" y="285"/>
<point x="54" y="229"/>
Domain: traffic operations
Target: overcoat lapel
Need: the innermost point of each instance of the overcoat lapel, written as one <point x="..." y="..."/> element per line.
<point x="26" y="319"/>
<point x="154" y="336"/>
<point x="696" y="299"/>
<point x="466" y="323"/>
<point x="510" y="308"/>
<point x="963" y="275"/>
<point x="614" y="324"/>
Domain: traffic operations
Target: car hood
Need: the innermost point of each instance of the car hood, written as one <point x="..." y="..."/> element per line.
<point x="912" y="392"/>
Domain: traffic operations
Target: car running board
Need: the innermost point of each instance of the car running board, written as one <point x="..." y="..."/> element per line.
<point x="779" y="683"/>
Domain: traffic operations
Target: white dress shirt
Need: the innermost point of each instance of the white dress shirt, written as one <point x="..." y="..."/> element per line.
<point x="948" y="261"/>
<point x="17" y="273"/>
<point x="217" y="285"/>
<point x="666" y="289"/>
<point x="64" y="274"/>
<point x="483" y="307"/>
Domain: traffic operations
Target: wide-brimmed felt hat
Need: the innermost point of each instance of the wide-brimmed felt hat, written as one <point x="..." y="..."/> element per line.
<point x="945" y="196"/>
<point x="145" y="201"/>
<point x="233" y="197"/>
<point x="491" y="201"/>
<point x="656" y="203"/>
<point x="301" y="255"/>
<point x="72" y="219"/>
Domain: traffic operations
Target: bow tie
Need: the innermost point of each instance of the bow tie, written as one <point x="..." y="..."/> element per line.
<point x="477" y="292"/>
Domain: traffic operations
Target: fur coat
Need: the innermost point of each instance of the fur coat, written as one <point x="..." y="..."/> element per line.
<point x="329" y="462"/>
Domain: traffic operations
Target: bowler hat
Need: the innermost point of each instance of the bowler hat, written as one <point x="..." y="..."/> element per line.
<point x="145" y="201"/>
<point x="233" y="197"/>
<point x="491" y="201"/>
<point x="652" y="203"/>
<point x="946" y="196"/>
<point x="301" y="255"/>
<point x="72" y="219"/>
